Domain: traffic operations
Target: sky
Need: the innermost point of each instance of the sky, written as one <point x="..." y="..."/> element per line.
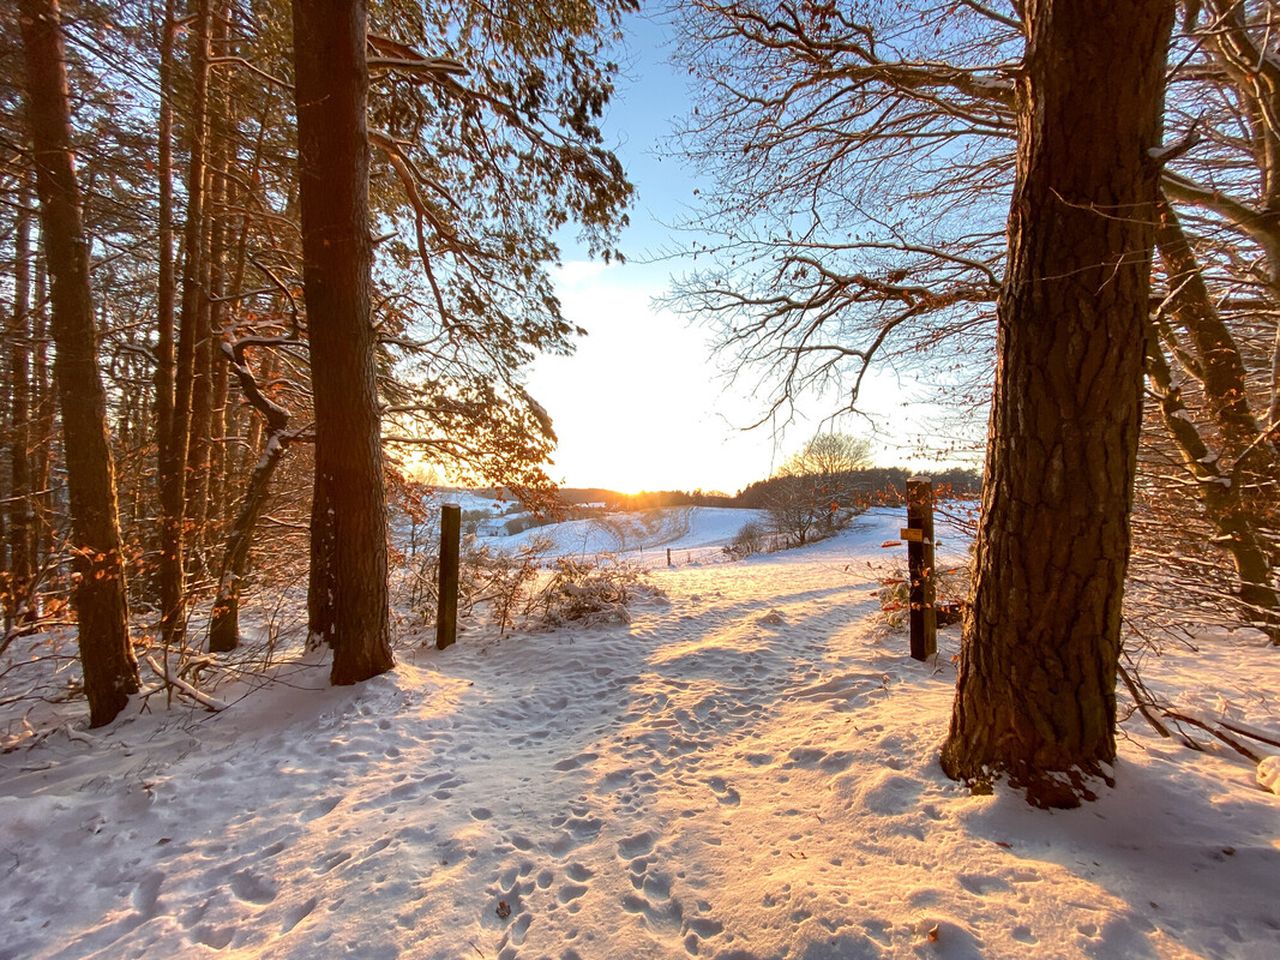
<point x="640" y="405"/>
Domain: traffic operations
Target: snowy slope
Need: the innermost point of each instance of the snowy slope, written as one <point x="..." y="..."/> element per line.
<point x="642" y="536"/>
<point x="746" y="772"/>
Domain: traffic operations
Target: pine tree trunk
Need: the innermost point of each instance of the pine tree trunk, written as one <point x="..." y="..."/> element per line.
<point x="331" y="87"/>
<point x="42" y="533"/>
<point x="173" y="474"/>
<point x="197" y="491"/>
<point x="164" y="283"/>
<point x="21" y="568"/>
<point x="224" y="629"/>
<point x="1220" y="495"/>
<point x="1036" y="690"/>
<point x="106" y="653"/>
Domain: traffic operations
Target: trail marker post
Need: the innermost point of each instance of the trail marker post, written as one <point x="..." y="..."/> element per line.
<point x="919" y="536"/>
<point x="447" y="611"/>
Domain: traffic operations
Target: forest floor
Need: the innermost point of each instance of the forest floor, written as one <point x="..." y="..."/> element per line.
<point x="746" y="770"/>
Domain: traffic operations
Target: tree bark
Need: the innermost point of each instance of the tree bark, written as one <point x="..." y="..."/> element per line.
<point x="106" y="653"/>
<point x="21" y="567"/>
<point x="1036" y="691"/>
<point x="331" y="89"/>
<point x="197" y="482"/>
<point x="1220" y="494"/>
<point x="224" y="628"/>
<point x="42" y="533"/>
<point x="1239" y="497"/>
<point x="173" y="479"/>
<point x="164" y="282"/>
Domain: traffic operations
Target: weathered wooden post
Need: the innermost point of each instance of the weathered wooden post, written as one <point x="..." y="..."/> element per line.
<point x="919" y="537"/>
<point x="447" y="611"/>
<point x="669" y="563"/>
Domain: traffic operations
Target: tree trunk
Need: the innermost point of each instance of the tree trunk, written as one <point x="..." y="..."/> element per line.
<point x="320" y="585"/>
<point x="1220" y="495"/>
<point x="164" y="283"/>
<point x="197" y="490"/>
<point x="21" y="568"/>
<point x="224" y="627"/>
<point x="331" y="88"/>
<point x="224" y="630"/>
<point x="1036" y="691"/>
<point x="42" y="533"/>
<point x="106" y="654"/>
<point x="173" y="479"/>
<point x="1239" y="497"/>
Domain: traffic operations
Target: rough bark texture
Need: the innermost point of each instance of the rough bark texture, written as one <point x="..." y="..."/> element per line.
<point x="110" y="670"/>
<point x="21" y="567"/>
<point x="42" y="437"/>
<point x="164" y="282"/>
<point x="1036" y="689"/>
<point x="173" y="479"/>
<point x="332" y="82"/>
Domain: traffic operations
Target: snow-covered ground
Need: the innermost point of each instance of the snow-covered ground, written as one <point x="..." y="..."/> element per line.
<point x="746" y="771"/>
<point x="693" y="534"/>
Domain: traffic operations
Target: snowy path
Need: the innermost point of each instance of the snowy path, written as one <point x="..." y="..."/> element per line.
<point x="747" y="772"/>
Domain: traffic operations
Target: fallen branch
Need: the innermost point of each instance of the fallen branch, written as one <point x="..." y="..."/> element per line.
<point x="1143" y="703"/>
<point x="211" y="704"/>
<point x="1234" y="744"/>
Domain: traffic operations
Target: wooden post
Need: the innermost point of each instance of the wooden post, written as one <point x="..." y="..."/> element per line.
<point x="919" y="537"/>
<point x="447" y="612"/>
<point x="669" y="563"/>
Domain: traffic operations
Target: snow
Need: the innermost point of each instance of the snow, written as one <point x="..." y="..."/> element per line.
<point x="1269" y="774"/>
<point x="747" y="771"/>
<point x="643" y="536"/>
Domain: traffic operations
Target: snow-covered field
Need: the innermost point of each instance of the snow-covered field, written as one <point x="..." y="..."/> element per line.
<point x="693" y="534"/>
<point x="747" y="771"/>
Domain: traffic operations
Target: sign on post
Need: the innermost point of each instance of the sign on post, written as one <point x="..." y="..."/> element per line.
<point x="919" y="537"/>
<point x="447" y="610"/>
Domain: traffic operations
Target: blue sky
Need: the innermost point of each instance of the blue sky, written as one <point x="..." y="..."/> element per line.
<point x="641" y="404"/>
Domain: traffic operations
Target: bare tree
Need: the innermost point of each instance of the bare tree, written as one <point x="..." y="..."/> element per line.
<point x="812" y="494"/>
<point x="1035" y="698"/>
<point x="861" y="161"/>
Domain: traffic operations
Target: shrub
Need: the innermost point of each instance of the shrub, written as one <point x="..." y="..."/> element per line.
<point x="951" y="592"/>
<point x="587" y="592"/>
<point x="750" y="539"/>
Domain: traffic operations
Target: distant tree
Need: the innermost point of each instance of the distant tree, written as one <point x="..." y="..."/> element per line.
<point x="813" y="490"/>
<point x="828" y="455"/>
<point x="1036" y="698"/>
<point x="106" y="652"/>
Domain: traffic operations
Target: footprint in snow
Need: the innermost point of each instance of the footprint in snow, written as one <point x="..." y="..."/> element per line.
<point x="296" y="914"/>
<point x="252" y="888"/>
<point x="321" y="808"/>
<point x="726" y="794"/>
<point x="631" y="847"/>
